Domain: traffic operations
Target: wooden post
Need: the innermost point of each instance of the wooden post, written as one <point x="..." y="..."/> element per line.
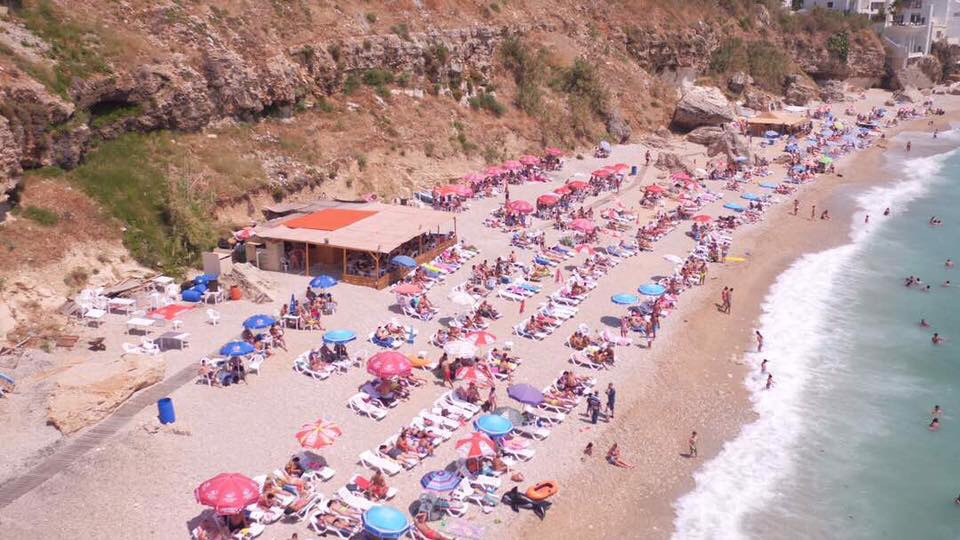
<point x="420" y="238"/>
<point x="306" y="258"/>
<point x="344" y="262"/>
<point x="376" y="273"/>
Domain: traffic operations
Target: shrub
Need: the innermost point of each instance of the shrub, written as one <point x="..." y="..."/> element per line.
<point x="323" y="105"/>
<point x="43" y="216"/>
<point x="334" y="50"/>
<point x="839" y="46"/>
<point x="487" y="102"/>
<point x="377" y="77"/>
<point x="362" y="162"/>
<point x="401" y="30"/>
<point x="351" y="84"/>
<point x="371" y="17"/>
<point x="528" y="69"/>
<point x="581" y="81"/>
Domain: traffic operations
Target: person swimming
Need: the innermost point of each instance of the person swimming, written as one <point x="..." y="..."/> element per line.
<point x="936" y="411"/>
<point x="924" y="323"/>
<point x="934" y="424"/>
<point x="936" y="339"/>
<point x="886" y="212"/>
<point x="948" y="263"/>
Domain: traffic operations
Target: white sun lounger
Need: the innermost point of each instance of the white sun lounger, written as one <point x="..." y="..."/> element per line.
<point x="372" y="461"/>
<point x="446" y="423"/>
<point x="451" y="398"/>
<point x="533" y="432"/>
<point x="354" y="501"/>
<point x="358" y="403"/>
<point x="391" y="492"/>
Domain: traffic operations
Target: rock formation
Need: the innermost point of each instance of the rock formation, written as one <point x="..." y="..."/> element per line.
<point x="730" y="144"/>
<point x="702" y="106"/>
<point x="705" y="135"/>
<point x="799" y="91"/>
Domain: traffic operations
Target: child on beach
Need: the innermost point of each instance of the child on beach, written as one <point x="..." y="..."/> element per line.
<point x="613" y="457"/>
<point x="587" y="452"/>
<point x="692" y="444"/>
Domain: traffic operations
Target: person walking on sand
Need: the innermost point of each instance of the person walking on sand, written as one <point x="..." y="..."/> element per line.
<point x="587" y="452"/>
<point x="796" y="206"/>
<point x="729" y="300"/>
<point x="763" y="366"/>
<point x="813" y="212"/>
<point x="593" y="407"/>
<point x="723" y="300"/>
<point x="692" y="444"/>
<point x="769" y="381"/>
<point x="759" y="341"/>
<point x="624" y="326"/>
<point x="611" y="399"/>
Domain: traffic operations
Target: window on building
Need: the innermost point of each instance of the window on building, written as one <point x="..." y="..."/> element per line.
<point x="830" y="5"/>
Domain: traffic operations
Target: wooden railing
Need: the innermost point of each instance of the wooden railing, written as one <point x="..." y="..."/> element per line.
<point x="390" y="277"/>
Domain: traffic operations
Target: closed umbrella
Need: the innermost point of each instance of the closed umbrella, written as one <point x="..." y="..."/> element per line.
<point x="318" y="434"/>
<point x="403" y="260"/>
<point x="237" y="348"/>
<point x="322" y="282"/>
<point x="341" y="335"/>
<point x="493" y="425"/>
<point x="227" y="493"/>
<point x="481" y="338"/>
<point x="624" y="299"/>
<point x="460" y="349"/>
<point x="258" y="322"/>
<point x="520" y="207"/>
<point x="462" y="298"/>
<point x="441" y="480"/>
<point x="383" y="521"/>
<point x="388" y="364"/>
<point x="652" y="289"/>
<point x="525" y="393"/>
<point x="476" y="445"/>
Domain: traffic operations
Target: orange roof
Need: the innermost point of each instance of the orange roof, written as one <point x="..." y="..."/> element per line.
<point x="329" y="219"/>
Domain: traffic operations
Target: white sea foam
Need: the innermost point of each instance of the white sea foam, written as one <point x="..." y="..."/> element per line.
<point x="744" y="477"/>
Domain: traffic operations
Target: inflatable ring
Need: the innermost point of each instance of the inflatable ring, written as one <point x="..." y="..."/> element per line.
<point x="542" y="490"/>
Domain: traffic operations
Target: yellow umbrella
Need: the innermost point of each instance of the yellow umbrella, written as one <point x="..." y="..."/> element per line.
<point x="417" y="360"/>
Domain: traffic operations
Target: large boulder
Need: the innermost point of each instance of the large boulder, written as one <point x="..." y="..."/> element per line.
<point x="759" y="100"/>
<point x="833" y="91"/>
<point x="10" y="169"/>
<point x="739" y="82"/>
<point x="799" y="91"/>
<point x="730" y="144"/>
<point x="705" y="135"/>
<point x="702" y="106"/>
<point x="908" y="95"/>
<point x="668" y="161"/>
<point x="617" y="126"/>
<point x="85" y="393"/>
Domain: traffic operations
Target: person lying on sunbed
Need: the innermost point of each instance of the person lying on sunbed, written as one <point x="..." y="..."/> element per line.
<point x="426" y="531"/>
<point x="570" y="382"/>
<point x="345" y="525"/>
<point x="377" y="489"/>
<point x="326" y="353"/>
<point x="577" y="290"/>
<point x="293" y="467"/>
<point x="532" y="326"/>
<point x="397" y="454"/>
<point x="486" y="310"/>
<point x="210" y="529"/>
<point x="579" y="341"/>
<point x="343" y="509"/>
<point x="271" y="507"/>
<point x="316" y="361"/>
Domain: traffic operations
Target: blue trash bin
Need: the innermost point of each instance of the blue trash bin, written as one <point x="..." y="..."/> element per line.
<point x="165" y="411"/>
<point x="633" y="170"/>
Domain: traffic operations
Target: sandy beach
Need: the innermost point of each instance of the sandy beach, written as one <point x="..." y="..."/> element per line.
<point x="142" y="479"/>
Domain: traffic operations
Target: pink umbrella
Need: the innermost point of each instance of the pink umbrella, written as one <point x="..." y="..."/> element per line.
<point x="585" y="248"/>
<point x="388" y="364"/>
<point x="548" y="199"/>
<point x="493" y="171"/>
<point x="654" y="188"/>
<point x="680" y="175"/>
<point x="576" y="184"/>
<point x="481" y="337"/>
<point x="601" y="172"/>
<point x="562" y="190"/>
<point x="702" y="218"/>
<point x="520" y="207"/>
<point x="318" y="434"/>
<point x="583" y="225"/>
<point x="408" y="288"/>
<point x="473" y="177"/>
<point x="477" y="445"/>
<point x="227" y="493"/>
<point x="554" y="151"/>
<point x="529" y="160"/>
<point x="512" y="165"/>
<point x="619" y="166"/>
<point x="454" y="189"/>
<point x="475" y="375"/>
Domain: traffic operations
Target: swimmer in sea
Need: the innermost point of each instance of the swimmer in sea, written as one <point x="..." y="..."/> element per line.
<point x="866" y="219"/>
<point x="886" y="212"/>
<point x="949" y="263"/>
<point x="946" y="283"/>
<point x="936" y="339"/>
<point x="924" y="323"/>
<point x="934" y="424"/>
<point x="770" y="381"/>
<point x="926" y="289"/>
<point x="936" y="411"/>
<point x="763" y="366"/>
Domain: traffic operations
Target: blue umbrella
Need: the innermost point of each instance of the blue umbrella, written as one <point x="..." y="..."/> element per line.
<point x="440" y="480"/>
<point x="750" y="196"/>
<point x="768" y="185"/>
<point x="340" y="336"/>
<point x="604" y="145"/>
<point x="403" y="260"/>
<point x="383" y="521"/>
<point x="741" y="159"/>
<point x="624" y="299"/>
<point x="259" y="321"/>
<point x="799" y="168"/>
<point x="652" y="289"/>
<point x="493" y="425"/>
<point x="237" y="348"/>
<point x="322" y="282"/>
<point x="525" y="393"/>
<point x="734" y="206"/>
<point x="771" y="134"/>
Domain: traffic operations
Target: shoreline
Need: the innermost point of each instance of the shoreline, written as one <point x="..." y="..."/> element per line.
<point x="772" y="246"/>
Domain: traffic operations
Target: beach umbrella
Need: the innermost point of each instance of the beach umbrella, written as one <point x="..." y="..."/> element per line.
<point x="388" y="364"/>
<point x="702" y="218"/>
<point x="617" y="167"/>
<point x="318" y="434"/>
<point x="768" y="185"/>
<point x="562" y="190"/>
<point x="383" y="521"/>
<point x="525" y="393"/>
<point x="654" y="188"/>
<point x="441" y="480"/>
<point x="682" y="176"/>
<point x="493" y="171"/>
<point x="741" y="159"/>
<point x="339" y="336"/>
<point x="624" y="299"/>
<point x="475" y="375"/>
<point x="481" y="338"/>
<point x="576" y="184"/>
<point x="676" y="259"/>
<point x="511" y="414"/>
<point x="581" y="248"/>
<point x="553" y="151"/>
<point x="493" y="425"/>
<point x="408" y="289"/>
<point x="548" y="199"/>
<point x="227" y="493"/>
<point x="237" y="348"/>
<point x="604" y="172"/>
<point x="462" y="298"/>
<point x="734" y="206"/>
<point x="322" y="282"/>
<point x="460" y="349"/>
<point x="750" y="196"/>
<point x="473" y="177"/>
<point x="652" y="289"/>
<point x="826" y="160"/>
<point x="459" y="190"/>
<point x="529" y="160"/>
<point x="519" y="207"/>
<point x="583" y="225"/>
<point x="419" y="360"/>
<point x="771" y="134"/>
<point x="476" y="445"/>
<point x="403" y="260"/>
<point x="512" y="165"/>
<point x="259" y="321"/>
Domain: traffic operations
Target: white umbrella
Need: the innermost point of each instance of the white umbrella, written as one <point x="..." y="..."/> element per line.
<point x="674" y="259"/>
<point x="462" y="298"/>
<point x="460" y="349"/>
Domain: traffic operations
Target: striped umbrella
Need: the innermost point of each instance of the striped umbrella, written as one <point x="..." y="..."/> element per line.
<point x="585" y="248"/>
<point x="476" y="445"/>
<point x="229" y="493"/>
<point x="388" y="364"/>
<point x="318" y="434"/>
<point x="441" y="480"/>
<point x="481" y="338"/>
<point x="475" y="375"/>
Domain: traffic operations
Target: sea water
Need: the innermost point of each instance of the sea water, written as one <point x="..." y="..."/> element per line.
<point x="841" y="447"/>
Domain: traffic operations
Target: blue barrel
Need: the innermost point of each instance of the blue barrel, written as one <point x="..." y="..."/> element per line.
<point x="191" y="295"/>
<point x="633" y="170"/>
<point x="165" y="411"/>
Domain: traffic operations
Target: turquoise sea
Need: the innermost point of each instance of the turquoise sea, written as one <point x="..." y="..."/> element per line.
<point x="841" y="448"/>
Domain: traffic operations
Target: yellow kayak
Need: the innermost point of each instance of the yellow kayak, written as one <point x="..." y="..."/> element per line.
<point x="731" y="258"/>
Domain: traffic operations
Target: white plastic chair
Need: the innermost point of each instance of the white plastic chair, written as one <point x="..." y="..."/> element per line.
<point x="213" y="316"/>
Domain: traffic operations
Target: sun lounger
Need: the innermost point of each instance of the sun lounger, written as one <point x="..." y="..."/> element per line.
<point x="523" y="454"/>
<point x="129" y="348"/>
<point x="510" y="295"/>
<point x="358" y="402"/>
<point x="372" y="461"/>
<point x="451" y="398"/>
<point x="533" y="432"/>
<point x="465" y="493"/>
<point x="410" y="312"/>
<point x="254" y="364"/>
<point x="442" y="421"/>
<point x="440" y="406"/>
<point x="354" y="501"/>
<point x="545" y="416"/>
<point x="361" y="482"/>
<point x="302" y="365"/>
<point x="322" y="529"/>
<point x="520" y="331"/>
<point x="582" y="360"/>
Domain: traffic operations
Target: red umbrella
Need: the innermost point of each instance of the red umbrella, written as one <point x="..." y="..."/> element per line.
<point x="475" y="375"/>
<point x="408" y="288"/>
<point x="481" y="337"/>
<point x="227" y="493"/>
<point x="512" y="165"/>
<point x="702" y="218"/>
<point x="520" y="207"/>
<point x="493" y="171"/>
<point x="388" y="364"/>
<point x="601" y="172"/>
<point x="562" y="190"/>
<point x="473" y="177"/>
<point x="477" y="445"/>
<point x="680" y="175"/>
<point x="548" y="199"/>
<point x="619" y="166"/>
<point x="585" y="247"/>
<point x="529" y="160"/>
<point x="454" y="189"/>
<point x="318" y="434"/>
<point x="554" y="151"/>
<point x="577" y="184"/>
<point x="583" y="225"/>
<point x="654" y="188"/>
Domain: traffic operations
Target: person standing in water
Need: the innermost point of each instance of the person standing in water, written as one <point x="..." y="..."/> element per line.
<point x="692" y="444"/>
<point x="759" y="341"/>
<point x="936" y="339"/>
<point x="763" y="366"/>
<point x="866" y="219"/>
<point x="909" y="146"/>
<point x="769" y="381"/>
